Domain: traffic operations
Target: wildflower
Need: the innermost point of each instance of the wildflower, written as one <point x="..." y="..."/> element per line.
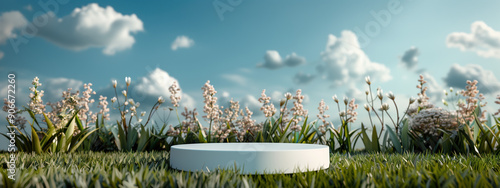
<point x="161" y="100"/>
<point x="384" y="107"/>
<point x="103" y="104"/>
<point x="267" y="107"/>
<point x="113" y="100"/>
<point x="125" y="103"/>
<point x="335" y="98"/>
<point x="444" y="102"/>
<point x="346" y="100"/>
<point x="124" y="92"/>
<point x="367" y="108"/>
<point x="114" y="83"/>
<point x="210" y="108"/>
<point x="391" y="96"/>
<point x="174" y="90"/>
<point x="351" y="111"/>
<point x="412" y="100"/>
<point x="467" y="108"/>
<point x="322" y="109"/>
<point x="380" y="93"/>
<point x="36" y="103"/>
<point x="288" y="96"/>
<point x="127" y="81"/>
<point x="143" y="113"/>
<point x="131" y="101"/>
<point x="298" y="108"/>
<point x="342" y="113"/>
<point x="367" y="79"/>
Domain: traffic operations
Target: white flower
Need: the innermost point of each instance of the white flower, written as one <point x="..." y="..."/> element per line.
<point x="391" y="96"/>
<point x="367" y="108"/>
<point x="380" y="94"/>
<point x="127" y="80"/>
<point x="114" y="83"/>
<point x="126" y="103"/>
<point x="384" y="107"/>
<point x="124" y="92"/>
<point x="368" y="81"/>
<point x="335" y="98"/>
<point x="288" y="95"/>
<point x="113" y="99"/>
<point x="346" y="100"/>
<point x="412" y="100"/>
<point x="143" y="113"/>
<point x="342" y="113"/>
<point x="161" y="100"/>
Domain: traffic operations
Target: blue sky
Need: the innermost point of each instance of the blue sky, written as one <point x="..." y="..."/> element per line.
<point x="235" y="45"/>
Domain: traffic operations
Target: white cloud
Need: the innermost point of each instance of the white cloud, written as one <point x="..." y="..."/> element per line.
<point x="458" y="75"/>
<point x="276" y="96"/>
<point x="410" y="57"/>
<point x="344" y="61"/>
<point x="92" y="26"/>
<point x="483" y="40"/>
<point x="9" y="22"/>
<point x="156" y="84"/>
<point x="252" y="103"/>
<point x="182" y="42"/>
<point x="301" y="78"/>
<point x="54" y="87"/>
<point x="294" y="60"/>
<point x="238" y="79"/>
<point x="273" y="60"/>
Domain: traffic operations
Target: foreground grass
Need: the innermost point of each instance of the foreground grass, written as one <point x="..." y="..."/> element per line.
<point x="152" y="169"/>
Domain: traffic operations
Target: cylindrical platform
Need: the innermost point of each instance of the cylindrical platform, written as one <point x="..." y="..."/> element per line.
<point x="250" y="158"/>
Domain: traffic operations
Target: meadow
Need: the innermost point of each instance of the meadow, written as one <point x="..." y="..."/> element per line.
<point x="66" y="144"/>
<point x="151" y="169"/>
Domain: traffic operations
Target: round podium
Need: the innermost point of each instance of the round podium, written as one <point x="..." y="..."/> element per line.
<point x="250" y="158"/>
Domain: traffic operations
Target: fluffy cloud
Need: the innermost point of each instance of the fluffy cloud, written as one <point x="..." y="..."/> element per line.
<point x="410" y="57"/>
<point x="92" y="26"/>
<point x="458" y="75"/>
<point x="156" y="84"/>
<point x="301" y="78"/>
<point x="344" y="61"/>
<point x="273" y="60"/>
<point x="182" y="42"/>
<point x="252" y="103"/>
<point x="9" y="22"/>
<point x="54" y="87"/>
<point x="483" y="40"/>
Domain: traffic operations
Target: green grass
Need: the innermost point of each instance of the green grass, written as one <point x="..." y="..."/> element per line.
<point x="151" y="169"/>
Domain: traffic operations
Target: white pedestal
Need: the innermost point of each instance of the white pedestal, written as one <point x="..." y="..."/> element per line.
<point x="250" y="158"/>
